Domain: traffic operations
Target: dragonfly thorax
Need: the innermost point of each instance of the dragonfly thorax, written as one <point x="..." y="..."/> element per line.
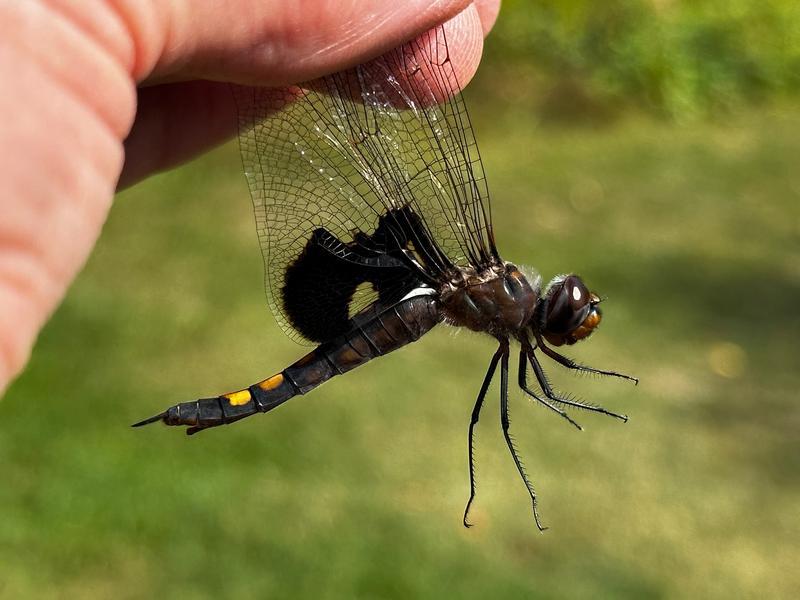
<point x="499" y="300"/>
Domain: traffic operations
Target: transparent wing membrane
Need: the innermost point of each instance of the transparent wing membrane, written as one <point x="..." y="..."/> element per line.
<point x="364" y="183"/>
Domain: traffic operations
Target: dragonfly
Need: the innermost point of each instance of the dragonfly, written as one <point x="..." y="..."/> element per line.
<point x="374" y="220"/>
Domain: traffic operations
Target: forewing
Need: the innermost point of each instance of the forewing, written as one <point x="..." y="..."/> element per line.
<point x="390" y="137"/>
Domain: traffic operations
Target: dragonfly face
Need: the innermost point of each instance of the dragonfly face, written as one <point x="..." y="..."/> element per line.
<point x="568" y="312"/>
<point x="373" y="214"/>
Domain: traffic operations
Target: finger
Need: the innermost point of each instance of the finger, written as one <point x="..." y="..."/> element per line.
<point x="60" y="154"/>
<point x="178" y="121"/>
<point x="277" y="42"/>
<point x="174" y="123"/>
<point x="488" y="11"/>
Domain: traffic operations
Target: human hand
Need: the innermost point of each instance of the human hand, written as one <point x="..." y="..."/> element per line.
<point x="100" y="94"/>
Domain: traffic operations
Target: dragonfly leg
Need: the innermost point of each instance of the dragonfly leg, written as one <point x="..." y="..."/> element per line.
<point x="571" y="364"/>
<point x="506" y="423"/>
<point x="548" y="391"/>
<point x="476" y="412"/>
<point x="523" y="384"/>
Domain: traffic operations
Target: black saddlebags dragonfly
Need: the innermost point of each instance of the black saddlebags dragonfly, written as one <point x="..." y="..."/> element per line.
<point x="375" y="226"/>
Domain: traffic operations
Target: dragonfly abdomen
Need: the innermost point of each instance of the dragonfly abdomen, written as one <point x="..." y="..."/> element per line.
<point x="375" y="332"/>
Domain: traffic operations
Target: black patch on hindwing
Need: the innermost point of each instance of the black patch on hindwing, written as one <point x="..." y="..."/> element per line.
<point x="319" y="285"/>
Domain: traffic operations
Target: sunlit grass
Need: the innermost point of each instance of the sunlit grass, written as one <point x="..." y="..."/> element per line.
<point x="357" y="489"/>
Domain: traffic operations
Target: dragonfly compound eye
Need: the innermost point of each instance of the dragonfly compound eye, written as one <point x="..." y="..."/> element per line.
<point x="571" y="312"/>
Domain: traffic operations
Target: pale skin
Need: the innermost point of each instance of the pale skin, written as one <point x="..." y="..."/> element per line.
<point x="99" y="94"/>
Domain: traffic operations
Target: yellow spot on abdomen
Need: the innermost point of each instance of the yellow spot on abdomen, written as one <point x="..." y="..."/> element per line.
<point x="238" y="398"/>
<point x="271" y="383"/>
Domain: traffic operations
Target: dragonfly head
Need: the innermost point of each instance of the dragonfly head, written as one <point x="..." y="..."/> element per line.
<point x="568" y="311"/>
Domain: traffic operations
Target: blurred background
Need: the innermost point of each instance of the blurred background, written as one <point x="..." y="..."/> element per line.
<point x="651" y="146"/>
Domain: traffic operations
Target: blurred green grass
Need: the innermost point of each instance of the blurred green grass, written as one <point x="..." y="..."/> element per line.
<point x="681" y="59"/>
<point x="357" y="489"/>
<point x="691" y="231"/>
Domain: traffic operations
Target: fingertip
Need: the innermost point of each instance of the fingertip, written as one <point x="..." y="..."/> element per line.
<point x="487" y="11"/>
<point x="465" y="43"/>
